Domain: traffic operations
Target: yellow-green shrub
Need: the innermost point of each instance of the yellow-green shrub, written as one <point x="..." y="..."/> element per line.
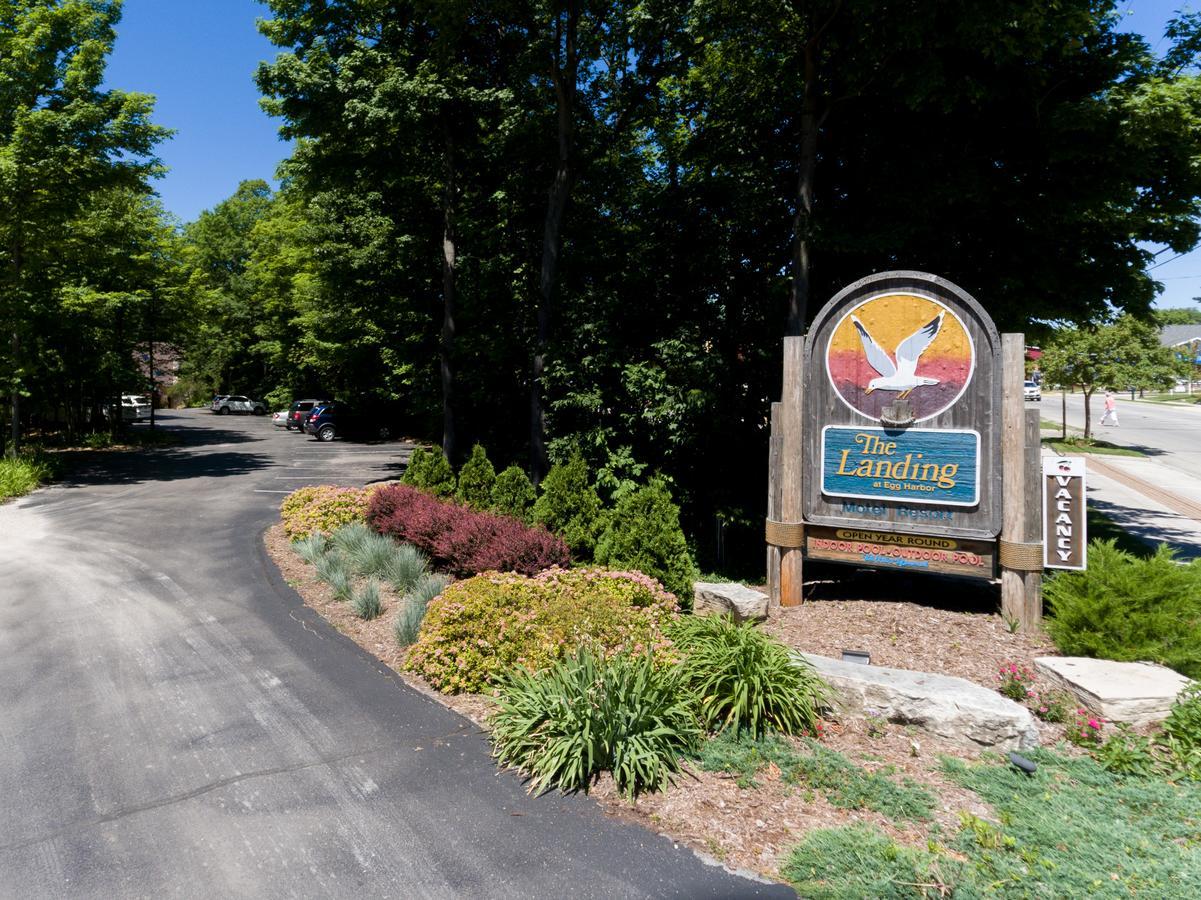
<point x="483" y="627"/>
<point x="323" y="508"/>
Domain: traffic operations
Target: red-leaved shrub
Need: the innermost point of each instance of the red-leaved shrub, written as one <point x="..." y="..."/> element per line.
<point x="460" y="540"/>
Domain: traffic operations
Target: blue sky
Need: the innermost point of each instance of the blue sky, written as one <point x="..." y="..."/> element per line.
<point x="198" y="57"/>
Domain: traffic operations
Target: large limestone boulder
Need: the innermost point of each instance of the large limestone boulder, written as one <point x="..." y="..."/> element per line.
<point x="744" y="603"/>
<point x="951" y="708"/>
<point x="1134" y="692"/>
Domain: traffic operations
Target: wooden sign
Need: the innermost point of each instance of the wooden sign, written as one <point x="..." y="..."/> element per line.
<point x="1065" y="518"/>
<point x="902" y="410"/>
<point x="911" y="552"/>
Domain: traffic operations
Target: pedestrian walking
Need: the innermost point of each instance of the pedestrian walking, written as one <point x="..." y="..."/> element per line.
<point x="1111" y="410"/>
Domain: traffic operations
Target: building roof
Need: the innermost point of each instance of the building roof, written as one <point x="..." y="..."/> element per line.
<point x="1175" y="335"/>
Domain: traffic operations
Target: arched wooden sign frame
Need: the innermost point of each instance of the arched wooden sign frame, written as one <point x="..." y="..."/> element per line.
<point x="901" y="442"/>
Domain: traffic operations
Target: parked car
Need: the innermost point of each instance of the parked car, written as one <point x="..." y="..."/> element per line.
<point x="217" y="400"/>
<point x="1031" y="391"/>
<point x="279" y="418"/>
<point x="334" y="419"/>
<point x="129" y="407"/>
<point x="236" y="404"/>
<point x="299" y="411"/>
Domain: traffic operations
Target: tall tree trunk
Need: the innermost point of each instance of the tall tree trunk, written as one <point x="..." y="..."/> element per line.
<point x="14" y="438"/>
<point x="802" y="220"/>
<point x="1088" y="417"/>
<point x="564" y="74"/>
<point x="449" y="260"/>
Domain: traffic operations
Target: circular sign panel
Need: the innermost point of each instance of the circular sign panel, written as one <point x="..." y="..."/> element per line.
<point x="900" y="346"/>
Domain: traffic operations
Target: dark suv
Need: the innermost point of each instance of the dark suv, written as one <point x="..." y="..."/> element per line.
<point x="299" y="411"/>
<point x="330" y="420"/>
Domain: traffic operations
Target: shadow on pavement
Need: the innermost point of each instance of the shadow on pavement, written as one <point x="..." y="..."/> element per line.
<point x="829" y="581"/>
<point x="136" y="467"/>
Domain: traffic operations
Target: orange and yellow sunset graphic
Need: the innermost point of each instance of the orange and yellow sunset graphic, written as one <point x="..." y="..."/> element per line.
<point x="900" y="346"/>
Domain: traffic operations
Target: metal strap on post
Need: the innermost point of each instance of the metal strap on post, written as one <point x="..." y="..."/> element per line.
<point x="785" y="534"/>
<point x="1021" y="557"/>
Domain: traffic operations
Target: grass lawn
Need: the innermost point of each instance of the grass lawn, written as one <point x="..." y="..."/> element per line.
<point x="1071" y="829"/>
<point x="1195" y="397"/>
<point x="1080" y="445"/>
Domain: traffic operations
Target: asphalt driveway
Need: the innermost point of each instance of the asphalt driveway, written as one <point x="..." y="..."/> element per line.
<point x="174" y="722"/>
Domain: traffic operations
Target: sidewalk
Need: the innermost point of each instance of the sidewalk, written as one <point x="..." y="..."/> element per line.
<point x="1154" y="502"/>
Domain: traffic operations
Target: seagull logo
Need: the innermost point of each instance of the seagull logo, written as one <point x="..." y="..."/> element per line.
<point x="902" y="375"/>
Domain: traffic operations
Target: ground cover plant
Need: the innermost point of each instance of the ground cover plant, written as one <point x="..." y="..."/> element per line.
<point x="1126" y="608"/>
<point x="1173" y="751"/>
<point x="806" y="762"/>
<point x="322" y="509"/>
<point x="480" y="629"/>
<point x="460" y="540"/>
<point x="745" y="679"/>
<point x="588" y="714"/>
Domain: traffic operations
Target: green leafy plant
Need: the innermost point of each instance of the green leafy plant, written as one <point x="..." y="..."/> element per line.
<point x="570" y="507"/>
<point x="367" y="603"/>
<point x="1085" y="729"/>
<point x="480" y="628"/>
<point x="744" y="679"/>
<point x="587" y="714"/>
<point x="513" y="494"/>
<point x="476" y="480"/>
<point x="405" y="568"/>
<point x="644" y="533"/>
<point x="20" y="475"/>
<point x="1127" y="753"/>
<point x="1173" y="752"/>
<point x="1129" y="609"/>
<point x="430" y="470"/>
<point x="413" y="606"/>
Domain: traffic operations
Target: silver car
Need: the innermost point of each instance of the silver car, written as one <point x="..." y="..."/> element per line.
<point x="223" y="406"/>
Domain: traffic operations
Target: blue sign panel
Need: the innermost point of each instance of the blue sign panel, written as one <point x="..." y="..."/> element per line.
<point x="915" y="465"/>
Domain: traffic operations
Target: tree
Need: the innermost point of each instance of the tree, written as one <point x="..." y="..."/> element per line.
<point x="63" y="142"/>
<point x="1125" y="354"/>
<point x="1184" y="315"/>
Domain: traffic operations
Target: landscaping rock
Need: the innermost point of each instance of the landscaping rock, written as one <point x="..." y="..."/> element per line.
<point x="744" y="603"/>
<point x="952" y="708"/>
<point x="1133" y="692"/>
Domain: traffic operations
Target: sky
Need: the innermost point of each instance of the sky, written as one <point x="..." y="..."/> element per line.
<point x="198" y="57"/>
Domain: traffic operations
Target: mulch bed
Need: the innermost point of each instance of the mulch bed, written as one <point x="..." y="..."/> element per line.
<point x="752" y="829"/>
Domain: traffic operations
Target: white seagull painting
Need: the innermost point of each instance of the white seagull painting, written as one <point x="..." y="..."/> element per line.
<point x="902" y="375"/>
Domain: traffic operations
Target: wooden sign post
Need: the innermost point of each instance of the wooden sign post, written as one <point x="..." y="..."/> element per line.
<point x="897" y="443"/>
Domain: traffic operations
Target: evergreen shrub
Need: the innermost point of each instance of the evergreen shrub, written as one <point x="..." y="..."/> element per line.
<point x="644" y="533"/>
<point x="745" y="679"/>
<point x="476" y="479"/>
<point x="323" y="508"/>
<point x="1129" y="609"/>
<point x="481" y="628"/>
<point x="430" y="471"/>
<point x="587" y="714"/>
<point x="463" y="541"/>
<point x="513" y="494"/>
<point x="570" y="507"/>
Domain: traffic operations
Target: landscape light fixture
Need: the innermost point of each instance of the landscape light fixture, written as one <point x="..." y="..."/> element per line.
<point x="1018" y="761"/>
<point x="862" y="657"/>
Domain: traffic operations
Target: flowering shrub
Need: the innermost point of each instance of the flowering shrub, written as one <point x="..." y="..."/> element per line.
<point x="1085" y="731"/>
<point x="463" y="541"/>
<point x="322" y="509"/>
<point x="1015" y="682"/>
<point x="1053" y="706"/>
<point x="479" y="629"/>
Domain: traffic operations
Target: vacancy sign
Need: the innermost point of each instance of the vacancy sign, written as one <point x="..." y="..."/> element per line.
<point x="1065" y="523"/>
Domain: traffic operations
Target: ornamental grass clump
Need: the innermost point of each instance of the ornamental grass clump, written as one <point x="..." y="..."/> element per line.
<point x="372" y="554"/>
<point x="406" y="567"/>
<point x="366" y="603"/>
<point x="333" y="571"/>
<point x="413" y="606"/>
<point x="349" y="539"/>
<point x="1129" y="609"/>
<point x="746" y="680"/>
<point x="481" y="628"/>
<point x="22" y="474"/>
<point x="589" y="714"/>
<point x="311" y="548"/>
